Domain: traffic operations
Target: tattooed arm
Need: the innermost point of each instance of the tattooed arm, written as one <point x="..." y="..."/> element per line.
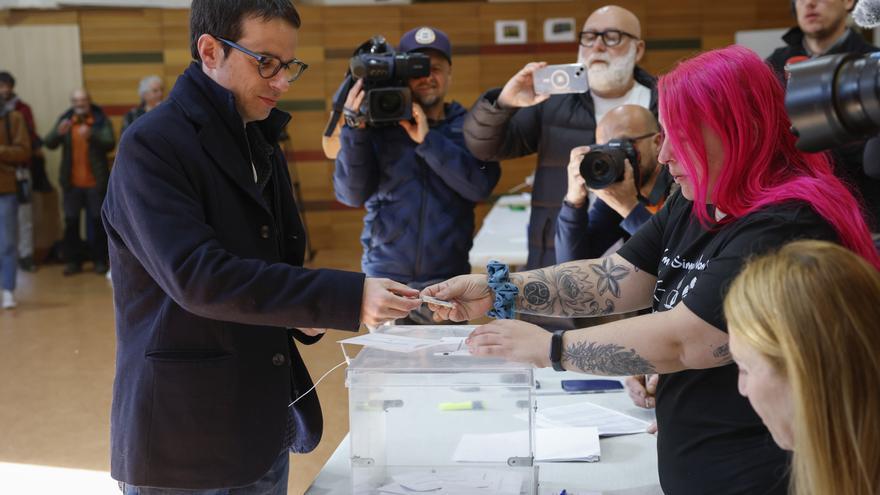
<point x="664" y="342"/>
<point x="578" y="288"/>
<point x="584" y="288"/>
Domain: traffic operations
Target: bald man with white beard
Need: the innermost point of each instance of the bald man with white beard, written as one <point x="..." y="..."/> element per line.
<point x="514" y="121"/>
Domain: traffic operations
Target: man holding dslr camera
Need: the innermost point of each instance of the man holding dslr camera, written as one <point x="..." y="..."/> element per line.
<point x="624" y="174"/>
<point x="417" y="180"/>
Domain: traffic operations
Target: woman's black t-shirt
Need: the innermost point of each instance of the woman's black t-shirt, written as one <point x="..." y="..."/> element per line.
<point x="710" y="439"/>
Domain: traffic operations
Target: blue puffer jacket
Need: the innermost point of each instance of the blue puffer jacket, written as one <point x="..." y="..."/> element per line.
<point x="420" y="199"/>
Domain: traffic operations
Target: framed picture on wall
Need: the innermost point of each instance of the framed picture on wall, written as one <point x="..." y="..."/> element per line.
<point x="559" y="30"/>
<point x="510" y="32"/>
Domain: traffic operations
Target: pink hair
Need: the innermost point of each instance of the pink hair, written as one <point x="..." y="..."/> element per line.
<point x="733" y="93"/>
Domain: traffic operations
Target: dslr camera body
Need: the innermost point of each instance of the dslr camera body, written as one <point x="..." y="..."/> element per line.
<point x="605" y="164"/>
<point x="387" y="98"/>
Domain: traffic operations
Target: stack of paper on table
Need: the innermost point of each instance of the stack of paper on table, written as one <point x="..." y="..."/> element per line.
<point x="551" y="445"/>
<point x="581" y="414"/>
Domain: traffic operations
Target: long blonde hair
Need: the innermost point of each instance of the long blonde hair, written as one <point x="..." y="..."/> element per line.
<point x="813" y="310"/>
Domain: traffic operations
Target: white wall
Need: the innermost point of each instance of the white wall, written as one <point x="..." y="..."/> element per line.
<point x="47" y="66"/>
<point x="762" y="41"/>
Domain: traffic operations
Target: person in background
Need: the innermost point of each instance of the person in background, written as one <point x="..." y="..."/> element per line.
<point x="86" y="137"/>
<point x="417" y="180"/>
<point x="15" y="149"/>
<point x="152" y="91"/>
<point x="586" y="230"/>
<point x="514" y="121"/>
<point x="25" y="172"/>
<point x="803" y="331"/>
<point x="822" y="30"/>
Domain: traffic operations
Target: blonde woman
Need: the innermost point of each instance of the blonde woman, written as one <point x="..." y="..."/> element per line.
<point x="803" y="325"/>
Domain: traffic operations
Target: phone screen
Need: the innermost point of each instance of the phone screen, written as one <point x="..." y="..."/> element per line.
<point x="591" y="386"/>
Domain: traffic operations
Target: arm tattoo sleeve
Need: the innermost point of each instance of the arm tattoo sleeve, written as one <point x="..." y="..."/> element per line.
<point x="611" y="359"/>
<point x="567" y="291"/>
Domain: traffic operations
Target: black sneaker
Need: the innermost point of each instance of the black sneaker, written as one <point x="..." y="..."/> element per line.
<point x="72" y="269"/>
<point x="101" y="267"/>
<point x="27" y="264"/>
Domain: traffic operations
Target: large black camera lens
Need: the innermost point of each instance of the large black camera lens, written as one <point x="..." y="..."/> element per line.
<point x="834" y="100"/>
<point x="603" y="166"/>
<point x="389" y="102"/>
<point x="388" y="105"/>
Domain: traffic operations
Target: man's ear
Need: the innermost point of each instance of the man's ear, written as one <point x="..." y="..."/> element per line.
<point x="640" y="50"/>
<point x="210" y="51"/>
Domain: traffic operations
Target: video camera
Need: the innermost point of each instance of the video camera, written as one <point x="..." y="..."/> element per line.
<point x="604" y="165"/>
<point x="387" y="99"/>
<point x="834" y="100"/>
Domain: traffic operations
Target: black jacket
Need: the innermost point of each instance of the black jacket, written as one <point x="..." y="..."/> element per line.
<point x="207" y="284"/>
<point x="847" y="159"/>
<point x="420" y="198"/>
<point x="551" y="129"/>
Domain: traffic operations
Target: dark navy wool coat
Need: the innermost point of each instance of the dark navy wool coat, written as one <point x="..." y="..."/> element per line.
<point x="208" y="288"/>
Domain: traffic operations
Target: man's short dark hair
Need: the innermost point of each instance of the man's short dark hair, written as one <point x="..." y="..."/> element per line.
<point x="7" y="78"/>
<point x="224" y="18"/>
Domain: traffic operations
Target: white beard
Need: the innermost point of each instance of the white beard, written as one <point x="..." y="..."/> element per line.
<point x="613" y="76"/>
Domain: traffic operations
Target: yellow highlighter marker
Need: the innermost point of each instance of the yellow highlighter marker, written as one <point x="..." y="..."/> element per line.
<point x="466" y="405"/>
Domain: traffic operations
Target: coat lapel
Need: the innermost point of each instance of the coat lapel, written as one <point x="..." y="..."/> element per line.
<point x="229" y="158"/>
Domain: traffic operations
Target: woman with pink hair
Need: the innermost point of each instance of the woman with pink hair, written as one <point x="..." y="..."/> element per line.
<point x="745" y="189"/>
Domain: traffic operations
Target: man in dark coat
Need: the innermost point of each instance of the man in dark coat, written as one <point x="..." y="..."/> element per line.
<point x="206" y="247"/>
<point x="516" y="122"/>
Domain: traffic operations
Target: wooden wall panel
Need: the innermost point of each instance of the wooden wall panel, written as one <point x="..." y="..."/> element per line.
<point x="121" y="31"/>
<point x="120" y="46"/>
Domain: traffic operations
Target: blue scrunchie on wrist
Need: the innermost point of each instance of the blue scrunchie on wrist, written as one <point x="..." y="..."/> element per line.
<point x="505" y="291"/>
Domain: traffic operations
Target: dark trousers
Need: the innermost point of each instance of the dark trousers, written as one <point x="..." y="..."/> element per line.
<point x="75" y="200"/>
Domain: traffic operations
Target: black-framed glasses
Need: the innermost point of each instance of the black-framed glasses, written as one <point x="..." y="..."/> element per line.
<point x="269" y="66"/>
<point x="644" y="136"/>
<point x="610" y="37"/>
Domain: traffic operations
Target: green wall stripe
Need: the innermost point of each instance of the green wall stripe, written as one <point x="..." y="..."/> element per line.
<point x="302" y="105"/>
<point x="123" y="58"/>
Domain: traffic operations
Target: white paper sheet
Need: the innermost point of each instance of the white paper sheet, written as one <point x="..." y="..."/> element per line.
<point x="551" y="445"/>
<point x="393" y="343"/>
<point x="608" y="421"/>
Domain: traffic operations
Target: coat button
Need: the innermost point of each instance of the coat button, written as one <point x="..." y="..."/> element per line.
<point x="264" y="231"/>
<point x="278" y="359"/>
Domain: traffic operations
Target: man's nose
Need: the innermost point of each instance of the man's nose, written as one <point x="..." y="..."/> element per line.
<point x="280" y="81"/>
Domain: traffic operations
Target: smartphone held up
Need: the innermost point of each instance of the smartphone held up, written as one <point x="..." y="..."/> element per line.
<point x="561" y="79"/>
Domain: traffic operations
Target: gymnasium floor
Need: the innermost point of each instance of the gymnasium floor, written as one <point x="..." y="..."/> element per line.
<point x="56" y="374"/>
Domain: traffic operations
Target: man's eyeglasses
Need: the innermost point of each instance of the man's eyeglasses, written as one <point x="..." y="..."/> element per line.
<point x="269" y="65"/>
<point x="610" y="37"/>
<point x="643" y="136"/>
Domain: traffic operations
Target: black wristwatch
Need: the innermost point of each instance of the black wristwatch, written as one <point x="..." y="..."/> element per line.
<point x="556" y="350"/>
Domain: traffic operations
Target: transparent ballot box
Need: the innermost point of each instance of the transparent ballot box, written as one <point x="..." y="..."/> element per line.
<point x="440" y="421"/>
